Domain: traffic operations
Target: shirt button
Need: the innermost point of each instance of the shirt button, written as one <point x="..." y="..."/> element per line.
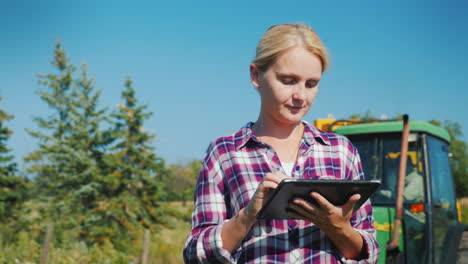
<point x="298" y="167"/>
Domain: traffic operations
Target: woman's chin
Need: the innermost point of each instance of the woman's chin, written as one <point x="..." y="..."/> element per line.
<point x="292" y="120"/>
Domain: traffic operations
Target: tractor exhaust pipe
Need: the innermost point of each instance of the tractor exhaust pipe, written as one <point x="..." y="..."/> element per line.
<point x="392" y="246"/>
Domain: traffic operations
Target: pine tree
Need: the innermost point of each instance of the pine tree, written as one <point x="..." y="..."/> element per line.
<point x="50" y="160"/>
<point x="90" y="145"/>
<point x="132" y="188"/>
<point x="68" y="165"/>
<point x="12" y="187"/>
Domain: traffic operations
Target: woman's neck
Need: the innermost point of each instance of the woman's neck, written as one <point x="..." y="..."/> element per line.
<point x="268" y="128"/>
<point x="284" y="139"/>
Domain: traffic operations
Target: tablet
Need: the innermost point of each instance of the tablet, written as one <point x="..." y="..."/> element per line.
<point x="336" y="192"/>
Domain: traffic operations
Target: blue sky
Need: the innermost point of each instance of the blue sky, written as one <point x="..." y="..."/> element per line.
<point x="189" y="60"/>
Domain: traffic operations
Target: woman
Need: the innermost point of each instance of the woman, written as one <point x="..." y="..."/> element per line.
<point x="240" y="171"/>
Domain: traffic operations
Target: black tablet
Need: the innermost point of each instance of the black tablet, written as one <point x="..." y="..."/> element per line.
<point x="336" y="192"/>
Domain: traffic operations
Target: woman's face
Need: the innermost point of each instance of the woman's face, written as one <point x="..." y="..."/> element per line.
<point x="289" y="86"/>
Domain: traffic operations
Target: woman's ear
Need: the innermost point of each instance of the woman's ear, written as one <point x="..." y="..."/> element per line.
<point x="254" y="75"/>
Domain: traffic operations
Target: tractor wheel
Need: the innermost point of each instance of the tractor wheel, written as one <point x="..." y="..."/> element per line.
<point x="462" y="256"/>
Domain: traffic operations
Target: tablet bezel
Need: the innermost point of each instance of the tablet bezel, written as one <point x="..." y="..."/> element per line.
<point x="335" y="191"/>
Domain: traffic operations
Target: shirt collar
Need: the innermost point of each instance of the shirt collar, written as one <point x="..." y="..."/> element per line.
<point x="244" y="135"/>
<point x="311" y="135"/>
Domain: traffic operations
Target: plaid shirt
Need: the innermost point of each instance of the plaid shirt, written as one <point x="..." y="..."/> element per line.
<point x="231" y="171"/>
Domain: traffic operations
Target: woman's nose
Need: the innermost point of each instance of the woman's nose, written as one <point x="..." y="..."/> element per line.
<point x="299" y="92"/>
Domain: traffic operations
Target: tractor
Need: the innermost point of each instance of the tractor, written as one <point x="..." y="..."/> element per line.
<point x="416" y="215"/>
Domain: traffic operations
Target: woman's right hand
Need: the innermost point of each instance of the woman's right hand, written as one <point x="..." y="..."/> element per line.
<point x="264" y="189"/>
<point x="235" y="230"/>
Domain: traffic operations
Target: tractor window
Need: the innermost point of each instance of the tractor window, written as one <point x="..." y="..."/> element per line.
<point x="414" y="178"/>
<point x="367" y="148"/>
<point x="443" y="196"/>
<point x="380" y="158"/>
<point x="441" y="175"/>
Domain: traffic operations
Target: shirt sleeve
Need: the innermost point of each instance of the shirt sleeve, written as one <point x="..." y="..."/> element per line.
<point x="362" y="220"/>
<point x="204" y="243"/>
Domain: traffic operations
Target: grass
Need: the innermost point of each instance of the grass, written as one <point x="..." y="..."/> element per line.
<point x="166" y="246"/>
<point x="169" y="243"/>
<point x="465" y="215"/>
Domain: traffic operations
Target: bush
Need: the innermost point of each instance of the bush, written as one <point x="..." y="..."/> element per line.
<point x="166" y="245"/>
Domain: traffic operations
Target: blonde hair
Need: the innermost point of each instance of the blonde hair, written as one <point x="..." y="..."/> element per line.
<point x="284" y="36"/>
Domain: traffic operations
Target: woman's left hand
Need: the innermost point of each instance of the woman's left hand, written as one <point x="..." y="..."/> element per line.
<point x="328" y="217"/>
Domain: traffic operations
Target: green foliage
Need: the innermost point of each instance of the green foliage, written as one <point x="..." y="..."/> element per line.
<point x="7" y="166"/>
<point x="50" y="162"/>
<point x="165" y="246"/>
<point x="464" y="212"/>
<point x="13" y="189"/>
<point x="130" y="191"/>
<point x="367" y="116"/>
<point x="68" y="164"/>
<point x="102" y="188"/>
<point x="25" y="249"/>
<point x="180" y="181"/>
<point x="96" y="185"/>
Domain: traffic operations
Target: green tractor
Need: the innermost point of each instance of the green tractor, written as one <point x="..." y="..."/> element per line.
<point x="415" y="211"/>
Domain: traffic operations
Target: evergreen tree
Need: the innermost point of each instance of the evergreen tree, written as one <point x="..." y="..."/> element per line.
<point x="7" y="166"/>
<point x="68" y="165"/>
<point x="12" y="187"/>
<point x="132" y="188"/>
<point x="89" y="143"/>
<point x="49" y="162"/>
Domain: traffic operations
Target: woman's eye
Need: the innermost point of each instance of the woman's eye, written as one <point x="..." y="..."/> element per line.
<point x="287" y="80"/>
<point x="311" y="84"/>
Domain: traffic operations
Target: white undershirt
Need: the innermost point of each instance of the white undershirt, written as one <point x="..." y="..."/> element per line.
<point x="288" y="168"/>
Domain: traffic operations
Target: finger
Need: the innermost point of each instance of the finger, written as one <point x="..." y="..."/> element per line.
<point x="268" y="185"/>
<point x="295" y="215"/>
<point x="349" y="205"/>
<point x="304" y="204"/>
<point x="281" y="175"/>
<point x="264" y="189"/>
<point x="300" y="210"/>
<point x="273" y="177"/>
<point x="300" y="213"/>
<point x="322" y="202"/>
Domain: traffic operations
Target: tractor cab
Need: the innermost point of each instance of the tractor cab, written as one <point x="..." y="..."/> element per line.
<point x="430" y="220"/>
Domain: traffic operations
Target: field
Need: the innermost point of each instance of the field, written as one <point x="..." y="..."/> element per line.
<point x="165" y="246"/>
<point x="174" y="238"/>
<point x="168" y="245"/>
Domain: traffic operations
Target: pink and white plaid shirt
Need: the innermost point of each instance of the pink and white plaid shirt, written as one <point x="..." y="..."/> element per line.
<point x="231" y="171"/>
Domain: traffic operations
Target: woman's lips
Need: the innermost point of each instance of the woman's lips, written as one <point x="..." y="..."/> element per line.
<point x="295" y="108"/>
